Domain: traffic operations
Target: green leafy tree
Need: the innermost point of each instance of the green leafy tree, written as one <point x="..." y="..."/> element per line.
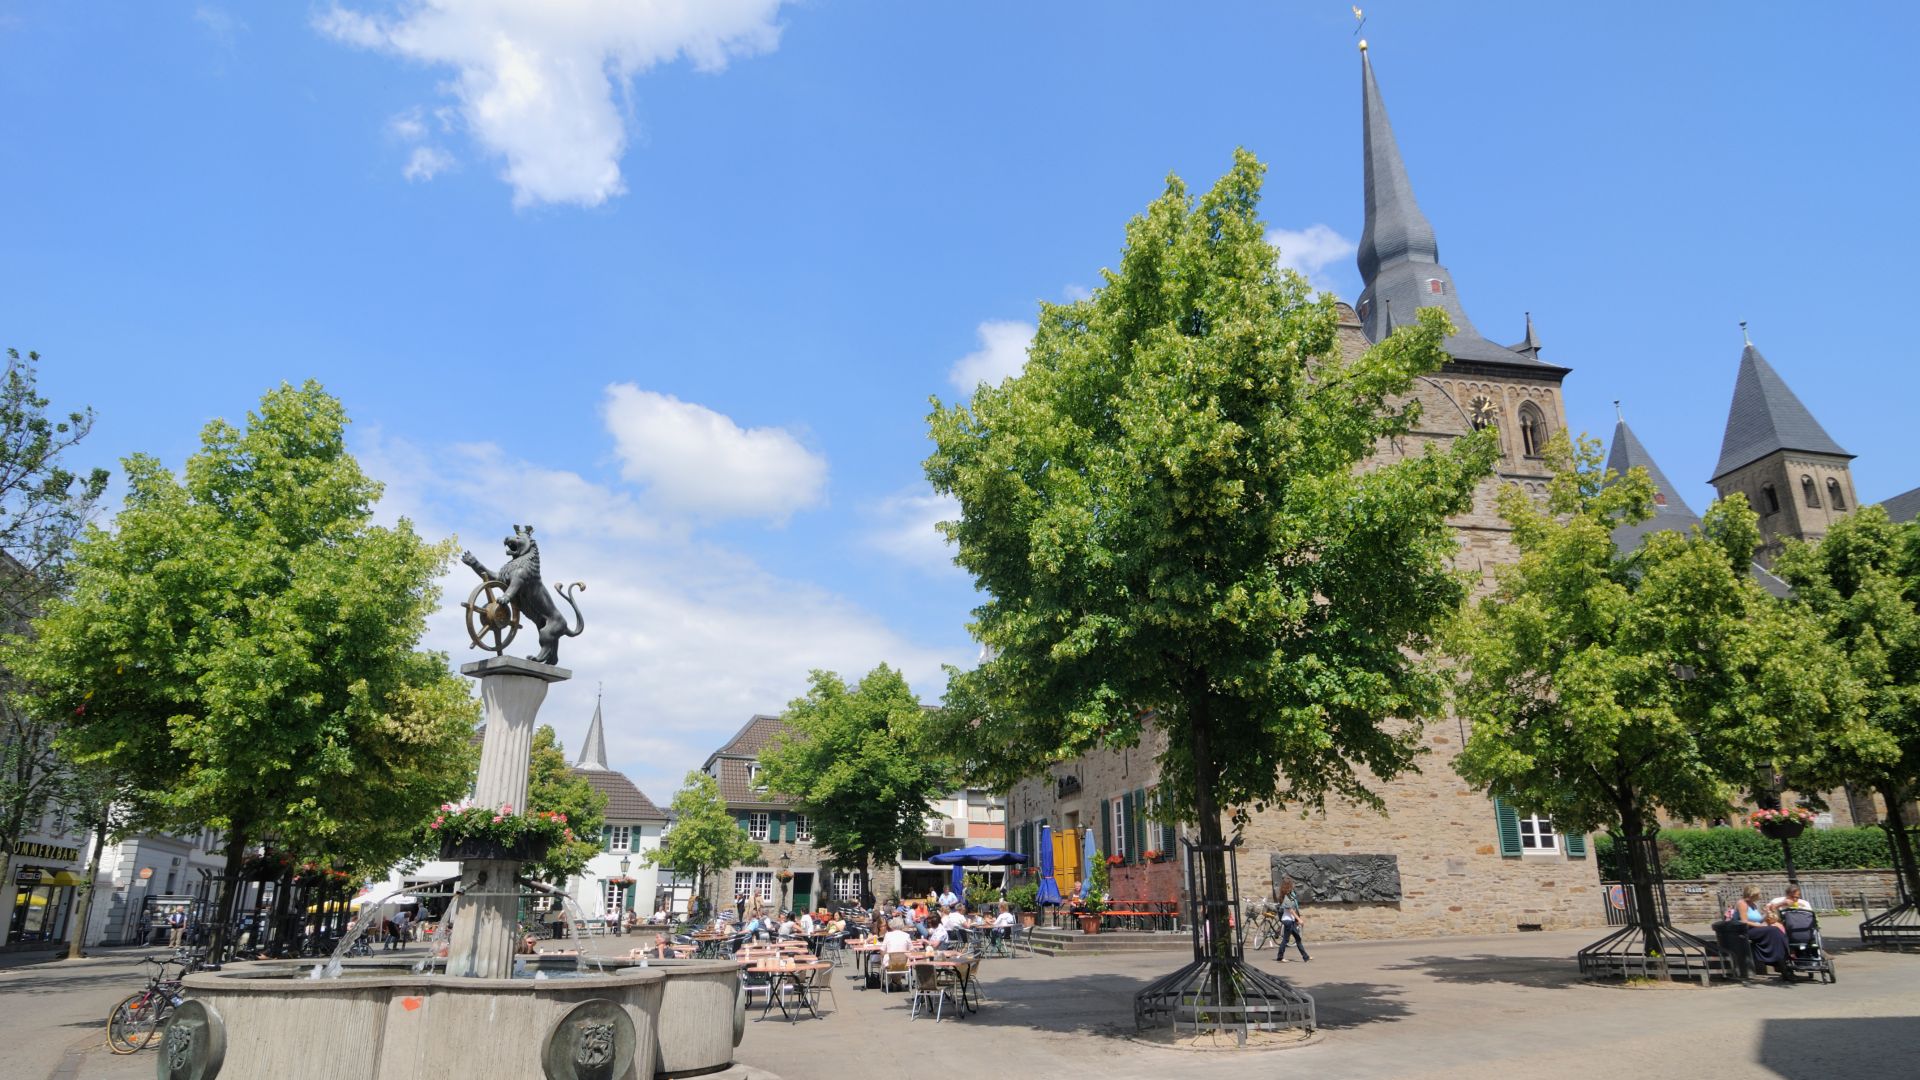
<point x="553" y="786"/>
<point x="1603" y="686"/>
<point x="242" y="646"/>
<point x="704" y="839"/>
<point x="43" y="506"/>
<point x="863" y="763"/>
<point x="1169" y="514"/>
<point x="1862" y="582"/>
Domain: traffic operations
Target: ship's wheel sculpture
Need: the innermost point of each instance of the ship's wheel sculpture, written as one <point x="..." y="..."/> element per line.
<point x="491" y="620"/>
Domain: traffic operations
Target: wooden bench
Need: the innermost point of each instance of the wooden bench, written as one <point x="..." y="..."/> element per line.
<point x="1152" y="912"/>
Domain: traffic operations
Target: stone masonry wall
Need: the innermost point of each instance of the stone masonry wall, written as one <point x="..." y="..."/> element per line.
<point x="1701" y="900"/>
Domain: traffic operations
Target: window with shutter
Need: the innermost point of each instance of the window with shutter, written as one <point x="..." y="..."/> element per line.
<point x="793" y="828"/>
<point x="1106" y="830"/>
<point x="1508" y="821"/>
<point x="1141" y="841"/>
<point x="1123" y="827"/>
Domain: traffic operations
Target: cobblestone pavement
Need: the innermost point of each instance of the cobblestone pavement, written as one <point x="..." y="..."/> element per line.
<point x="1486" y="1008"/>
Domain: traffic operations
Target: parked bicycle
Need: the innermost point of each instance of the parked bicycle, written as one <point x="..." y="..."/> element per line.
<point x="139" y="1016"/>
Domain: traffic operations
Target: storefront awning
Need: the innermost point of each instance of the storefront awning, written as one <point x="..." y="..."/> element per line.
<point x="62" y="877"/>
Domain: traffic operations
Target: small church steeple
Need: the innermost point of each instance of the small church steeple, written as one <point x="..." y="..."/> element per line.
<point x="593" y="750"/>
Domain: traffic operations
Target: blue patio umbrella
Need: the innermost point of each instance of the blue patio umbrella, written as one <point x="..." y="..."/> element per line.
<point x="959" y="885"/>
<point x="1086" y="864"/>
<point x="1049" y="888"/>
<point x="977" y="856"/>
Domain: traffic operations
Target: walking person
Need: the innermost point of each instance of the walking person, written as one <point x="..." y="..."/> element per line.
<point x="176" y="928"/>
<point x="400" y="921"/>
<point x="1290" y="921"/>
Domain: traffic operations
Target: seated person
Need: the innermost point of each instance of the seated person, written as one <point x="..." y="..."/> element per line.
<point x="937" y="937"/>
<point x="1006" y="919"/>
<point x="954" y="918"/>
<point x="805" y="923"/>
<point x="789" y="928"/>
<point x="896" y="939"/>
<point x="1765" y="936"/>
<point x="1791" y="899"/>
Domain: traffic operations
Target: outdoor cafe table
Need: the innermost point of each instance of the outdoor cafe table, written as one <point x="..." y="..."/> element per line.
<point x="778" y="972"/>
<point x="963" y="969"/>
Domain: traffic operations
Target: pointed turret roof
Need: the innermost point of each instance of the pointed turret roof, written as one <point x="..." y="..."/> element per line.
<point x="1399" y="254"/>
<point x="593" y="750"/>
<point x="1670" y="511"/>
<point x="1766" y="416"/>
<point x="1529" y="346"/>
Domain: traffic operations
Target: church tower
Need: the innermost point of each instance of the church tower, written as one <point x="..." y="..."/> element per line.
<point x="1483" y="384"/>
<point x="1776" y="454"/>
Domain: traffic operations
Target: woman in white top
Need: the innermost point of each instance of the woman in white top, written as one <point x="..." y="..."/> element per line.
<point x="896" y="939"/>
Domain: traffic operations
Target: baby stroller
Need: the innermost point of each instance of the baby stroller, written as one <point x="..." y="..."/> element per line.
<point x="1805" y="951"/>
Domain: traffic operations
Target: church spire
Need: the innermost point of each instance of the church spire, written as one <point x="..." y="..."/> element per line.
<point x="1767" y="416"/>
<point x="1399" y="255"/>
<point x="593" y="752"/>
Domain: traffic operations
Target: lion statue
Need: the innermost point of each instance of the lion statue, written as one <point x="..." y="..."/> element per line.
<point x="522" y="588"/>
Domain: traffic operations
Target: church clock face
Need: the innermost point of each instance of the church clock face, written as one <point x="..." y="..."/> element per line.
<point x="1481" y="412"/>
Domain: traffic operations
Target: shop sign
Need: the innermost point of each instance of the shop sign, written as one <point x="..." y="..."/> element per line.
<point x="146" y="872"/>
<point x="46" y="851"/>
<point x="28" y="875"/>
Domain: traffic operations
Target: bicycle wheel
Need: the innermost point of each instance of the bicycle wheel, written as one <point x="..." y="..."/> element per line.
<point x="133" y="1023"/>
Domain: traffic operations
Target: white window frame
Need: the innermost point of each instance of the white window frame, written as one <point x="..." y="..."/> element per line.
<point x="846" y="886"/>
<point x="753" y="776"/>
<point x="756" y="884"/>
<point x="613" y="898"/>
<point x="1538" y="836"/>
<point x="1119" y="828"/>
<point x="802" y="829"/>
<point x="619" y="839"/>
<point x="757" y="824"/>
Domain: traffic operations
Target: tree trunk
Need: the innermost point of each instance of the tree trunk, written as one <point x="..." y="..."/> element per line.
<point x="1640" y="868"/>
<point x="229" y="895"/>
<point x="76" y="945"/>
<point x="1212" y="886"/>
<point x="1896" y="826"/>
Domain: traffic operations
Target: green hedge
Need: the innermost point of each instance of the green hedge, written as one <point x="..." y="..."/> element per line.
<point x="1695" y="853"/>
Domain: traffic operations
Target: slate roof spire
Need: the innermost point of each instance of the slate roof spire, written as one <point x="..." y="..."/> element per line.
<point x="1399" y="254"/>
<point x="1767" y="416"/>
<point x="593" y="752"/>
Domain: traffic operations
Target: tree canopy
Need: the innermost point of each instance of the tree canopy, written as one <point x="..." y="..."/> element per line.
<point x="1601" y="686"/>
<point x="553" y="786"/>
<point x="1862" y="582"/>
<point x="242" y="645"/>
<point x="1168" y="513"/>
<point x="863" y="764"/>
<point x="704" y="839"/>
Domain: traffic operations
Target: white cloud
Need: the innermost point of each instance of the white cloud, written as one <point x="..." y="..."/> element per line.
<point x="905" y="530"/>
<point x="1002" y="352"/>
<point x="689" y="638"/>
<point x="537" y="80"/>
<point x="426" y="162"/>
<point x="698" y="462"/>
<point x="222" y="25"/>
<point x="1310" y="251"/>
<point x="409" y="125"/>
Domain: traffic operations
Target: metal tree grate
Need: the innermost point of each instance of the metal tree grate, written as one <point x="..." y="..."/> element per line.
<point x="1218" y="991"/>
<point x="1659" y="953"/>
<point x="1899" y="926"/>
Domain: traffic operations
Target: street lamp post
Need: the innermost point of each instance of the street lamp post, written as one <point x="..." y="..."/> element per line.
<point x="626" y="897"/>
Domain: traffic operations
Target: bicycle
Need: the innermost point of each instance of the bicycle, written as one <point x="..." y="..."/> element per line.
<point x="138" y="1017"/>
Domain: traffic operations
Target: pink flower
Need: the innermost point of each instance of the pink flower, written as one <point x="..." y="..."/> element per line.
<point x="435" y="825"/>
<point x="496" y="819"/>
<point x="563" y="818"/>
<point x="507" y="809"/>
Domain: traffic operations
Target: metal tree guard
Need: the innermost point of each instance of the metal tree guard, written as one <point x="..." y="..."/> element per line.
<point x="1899" y="926"/>
<point x="1659" y="952"/>
<point x="1220" y="993"/>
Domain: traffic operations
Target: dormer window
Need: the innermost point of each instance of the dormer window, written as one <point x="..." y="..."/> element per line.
<point x="1436" y="286"/>
<point x="1810" y="492"/>
<point x="1833" y="494"/>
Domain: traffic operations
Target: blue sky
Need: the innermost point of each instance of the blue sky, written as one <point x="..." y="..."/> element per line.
<point x="680" y="278"/>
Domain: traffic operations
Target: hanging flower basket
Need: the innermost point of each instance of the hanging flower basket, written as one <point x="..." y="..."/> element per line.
<point x="477" y="832"/>
<point x="266" y="865"/>
<point x="1781" y="824"/>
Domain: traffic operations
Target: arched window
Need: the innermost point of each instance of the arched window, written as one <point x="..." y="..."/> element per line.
<point x="1811" y="492"/>
<point x="1533" y="430"/>
<point x="1771" y="498"/>
<point x="1833" y="494"/>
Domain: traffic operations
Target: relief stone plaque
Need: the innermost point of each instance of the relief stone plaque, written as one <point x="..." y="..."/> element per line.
<point x="593" y="1041"/>
<point x="1340" y="879"/>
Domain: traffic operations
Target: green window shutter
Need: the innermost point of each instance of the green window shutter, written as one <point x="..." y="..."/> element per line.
<point x="1576" y="845"/>
<point x="1508" y="820"/>
<point x="793" y="826"/>
<point x="1139" y="829"/>
<point x="1169" y="836"/>
<point x="1106" y="831"/>
<point x="743" y="818"/>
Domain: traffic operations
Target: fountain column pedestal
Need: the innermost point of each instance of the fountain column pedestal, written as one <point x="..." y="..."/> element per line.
<point x="485" y="931"/>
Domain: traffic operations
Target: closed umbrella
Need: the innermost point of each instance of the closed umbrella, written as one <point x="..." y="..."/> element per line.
<point x="1086" y="864"/>
<point x="959" y="883"/>
<point x="1049" y="888"/>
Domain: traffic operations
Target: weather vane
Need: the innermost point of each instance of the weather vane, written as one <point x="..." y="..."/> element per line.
<point x="1359" y="20"/>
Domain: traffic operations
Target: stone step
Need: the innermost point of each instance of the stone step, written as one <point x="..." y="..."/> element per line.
<point x="1049" y="942"/>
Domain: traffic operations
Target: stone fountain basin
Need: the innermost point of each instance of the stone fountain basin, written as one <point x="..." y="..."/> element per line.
<point x="381" y="1021"/>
